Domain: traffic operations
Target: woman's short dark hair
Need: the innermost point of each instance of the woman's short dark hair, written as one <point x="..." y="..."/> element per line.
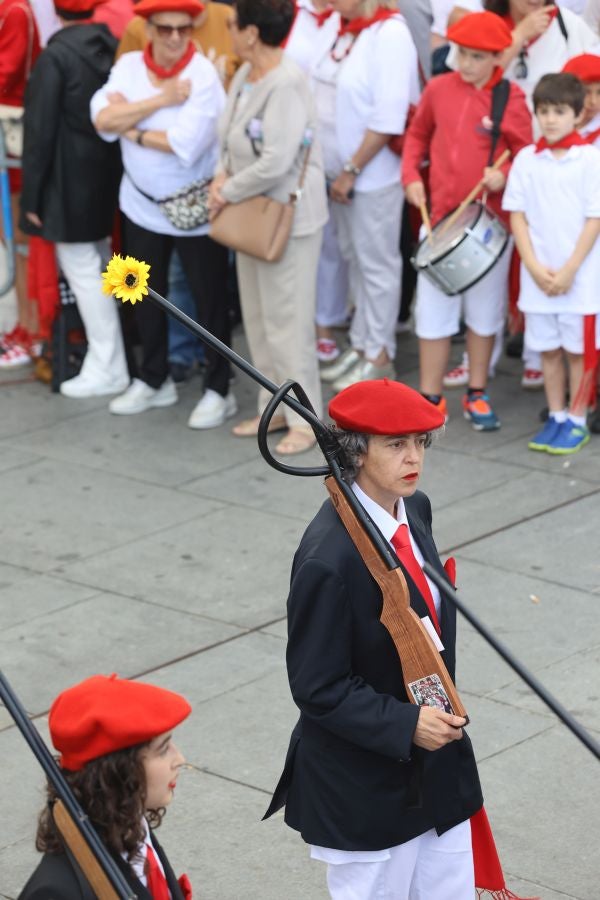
<point x="559" y="88"/>
<point x="273" y="18"/>
<point x="355" y="444"/>
<point x="112" y="791"/>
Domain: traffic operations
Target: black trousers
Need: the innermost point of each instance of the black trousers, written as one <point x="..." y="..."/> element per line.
<point x="205" y="265"/>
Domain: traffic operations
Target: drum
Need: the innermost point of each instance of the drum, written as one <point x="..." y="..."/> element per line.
<point x="457" y="257"/>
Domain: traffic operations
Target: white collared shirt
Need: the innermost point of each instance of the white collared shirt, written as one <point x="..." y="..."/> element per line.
<point x="139" y="861"/>
<point x="307" y="39"/>
<point x="557" y="195"/>
<point x="388" y="525"/>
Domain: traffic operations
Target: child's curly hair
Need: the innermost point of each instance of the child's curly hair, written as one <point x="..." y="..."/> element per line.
<point x="112" y="791"/>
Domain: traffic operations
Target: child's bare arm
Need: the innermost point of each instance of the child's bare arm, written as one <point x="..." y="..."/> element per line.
<point x="563" y="279"/>
<point x="542" y="276"/>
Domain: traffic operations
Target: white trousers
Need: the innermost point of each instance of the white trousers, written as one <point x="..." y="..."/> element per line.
<point x="427" y="868"/>
<point x="332" y="280"/>
<point x="278" y="311"/>
<point x="369" y="236"/>
<point x="82" y="265"/>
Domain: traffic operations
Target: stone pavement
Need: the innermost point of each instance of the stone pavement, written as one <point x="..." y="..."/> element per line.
<point x="136" y="545"/>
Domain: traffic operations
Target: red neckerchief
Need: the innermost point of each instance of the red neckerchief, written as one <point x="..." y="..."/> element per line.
<point x="574" y="139"/>
<point x="511" y="24"/>
<point x="496" y="77"/>
<point x="321" y="17"/>
<point x="591" y="136"/>
<point x="355" y="26"/>
<point x="168" y="73"/>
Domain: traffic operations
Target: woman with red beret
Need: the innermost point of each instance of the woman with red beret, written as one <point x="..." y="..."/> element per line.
<point x="382" y="789"/>
<point x="115" y="740"/>
<point x="163" y="104"/>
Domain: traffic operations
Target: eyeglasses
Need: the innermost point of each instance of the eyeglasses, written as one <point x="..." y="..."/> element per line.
<point x="166" y="31"/>
<point x="521" y="70"/>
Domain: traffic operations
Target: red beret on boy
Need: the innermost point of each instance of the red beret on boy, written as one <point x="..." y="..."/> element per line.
<point x="586" y="67"/>
<point x="384" y="407"/>
<point x="481" y="31"/>
<point x="107" y="713"/>
<point x="148" y="8"/>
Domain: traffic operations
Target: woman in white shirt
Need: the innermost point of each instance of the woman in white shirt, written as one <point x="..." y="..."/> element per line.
<point x="163" y="104"/>
<point x="363" y="85"/>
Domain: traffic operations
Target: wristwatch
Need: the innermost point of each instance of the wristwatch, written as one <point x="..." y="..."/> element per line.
<point x="140" y="137"/>
<point x="351" y="169"/>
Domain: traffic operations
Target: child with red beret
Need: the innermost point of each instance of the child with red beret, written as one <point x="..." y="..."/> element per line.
<point x="115" y="741"/>
<point x="586" y="67"/>
<point x="452" y="127"/>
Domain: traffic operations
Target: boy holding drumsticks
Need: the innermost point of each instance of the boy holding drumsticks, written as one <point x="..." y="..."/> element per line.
<point x="452" y="127"/>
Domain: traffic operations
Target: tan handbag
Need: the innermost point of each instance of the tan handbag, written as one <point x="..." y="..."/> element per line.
<point x="258" y="226"/>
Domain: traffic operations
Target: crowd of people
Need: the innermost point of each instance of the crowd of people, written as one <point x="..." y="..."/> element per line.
<point x="381" y="119"/>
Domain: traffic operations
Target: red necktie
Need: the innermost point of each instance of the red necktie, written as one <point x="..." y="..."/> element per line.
<point x="157" y="883"/>
<point x="402" y="546"/>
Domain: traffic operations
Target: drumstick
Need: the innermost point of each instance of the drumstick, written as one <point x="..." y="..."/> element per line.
<point x="426" y="220"/>
<point x="471" y="195"/>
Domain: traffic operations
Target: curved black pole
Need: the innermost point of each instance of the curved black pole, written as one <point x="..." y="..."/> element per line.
<point x="332" y="452"/>
<point x="536" y="686"/>
<point x="63" y="791"/>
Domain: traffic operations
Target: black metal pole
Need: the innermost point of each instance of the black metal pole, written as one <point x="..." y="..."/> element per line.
<point x="63" y="791"/>
<point x="536" y="686"/>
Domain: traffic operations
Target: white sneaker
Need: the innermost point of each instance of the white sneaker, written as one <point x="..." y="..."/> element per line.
<point x="80" y="386"/>
<point x="139" y="397"/>
<point x="212" y="410"/>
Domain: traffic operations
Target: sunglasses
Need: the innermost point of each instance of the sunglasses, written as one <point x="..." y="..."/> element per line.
<point x="166" y="31"/>
<point x="521" y="70"/>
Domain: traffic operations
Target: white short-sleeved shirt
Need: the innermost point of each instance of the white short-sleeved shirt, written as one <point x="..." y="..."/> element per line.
<point x="191" y="131"/>
<point x="308" y="40"/>
<point x="557" y="195"/>
<point x="375" y="83"/>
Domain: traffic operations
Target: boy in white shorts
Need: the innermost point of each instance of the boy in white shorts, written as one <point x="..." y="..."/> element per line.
<point x="553" y="195"/>
<point x="452" y="128"/>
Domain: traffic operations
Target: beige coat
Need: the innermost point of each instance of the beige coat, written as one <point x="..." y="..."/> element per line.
<point x="279" y="109"/>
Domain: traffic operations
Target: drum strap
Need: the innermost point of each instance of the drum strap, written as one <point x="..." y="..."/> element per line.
<point x="500" y="94"/>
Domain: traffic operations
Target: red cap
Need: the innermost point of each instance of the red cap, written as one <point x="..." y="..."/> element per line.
<point x="147" y="8"/>
<point x="481" y="31"/>
<point x="586" y="67"/>
<point x="107" y="713"/>
<point x="384" y="407"/>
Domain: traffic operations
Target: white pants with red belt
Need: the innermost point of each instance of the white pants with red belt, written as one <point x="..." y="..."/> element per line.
<point x="426" y="868"/>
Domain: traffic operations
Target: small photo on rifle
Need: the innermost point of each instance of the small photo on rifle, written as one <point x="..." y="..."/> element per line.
<point x="429" y="691"/>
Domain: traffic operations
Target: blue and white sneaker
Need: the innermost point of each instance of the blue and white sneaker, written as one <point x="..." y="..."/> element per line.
<point x="544" y="438"/>
<point x="571" y="438"/>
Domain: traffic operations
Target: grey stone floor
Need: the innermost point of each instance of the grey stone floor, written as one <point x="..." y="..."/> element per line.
<point x="138" y="546"/>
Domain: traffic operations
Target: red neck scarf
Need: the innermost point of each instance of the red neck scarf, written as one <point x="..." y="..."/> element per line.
<point x="591" y="136"/>
<point x="496" y="78"/>
<point x="174" y="70"/>
<point x="355" y="26"/>
<point x="321" y="17"/>
<point x="574" y="139"/>
<point x="553" y="10"/>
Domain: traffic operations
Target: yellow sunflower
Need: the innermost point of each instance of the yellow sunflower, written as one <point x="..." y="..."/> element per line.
<point x="126" y="278"/>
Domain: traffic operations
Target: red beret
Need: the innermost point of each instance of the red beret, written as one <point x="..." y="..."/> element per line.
<point x="147" y="8"/>
<point x="384" y="407"/>
<point x="586" y="67"/>
<point x="481" y="31"/>
<point x="78" y="8"/>
<point x="107" y="713"/>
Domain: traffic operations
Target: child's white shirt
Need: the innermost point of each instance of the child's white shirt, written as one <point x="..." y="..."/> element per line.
<point x="557" y="195"/>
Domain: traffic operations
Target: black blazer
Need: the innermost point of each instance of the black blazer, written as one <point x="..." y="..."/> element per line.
<point x="353" y="779"/>
<point x="58" y="877"/>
